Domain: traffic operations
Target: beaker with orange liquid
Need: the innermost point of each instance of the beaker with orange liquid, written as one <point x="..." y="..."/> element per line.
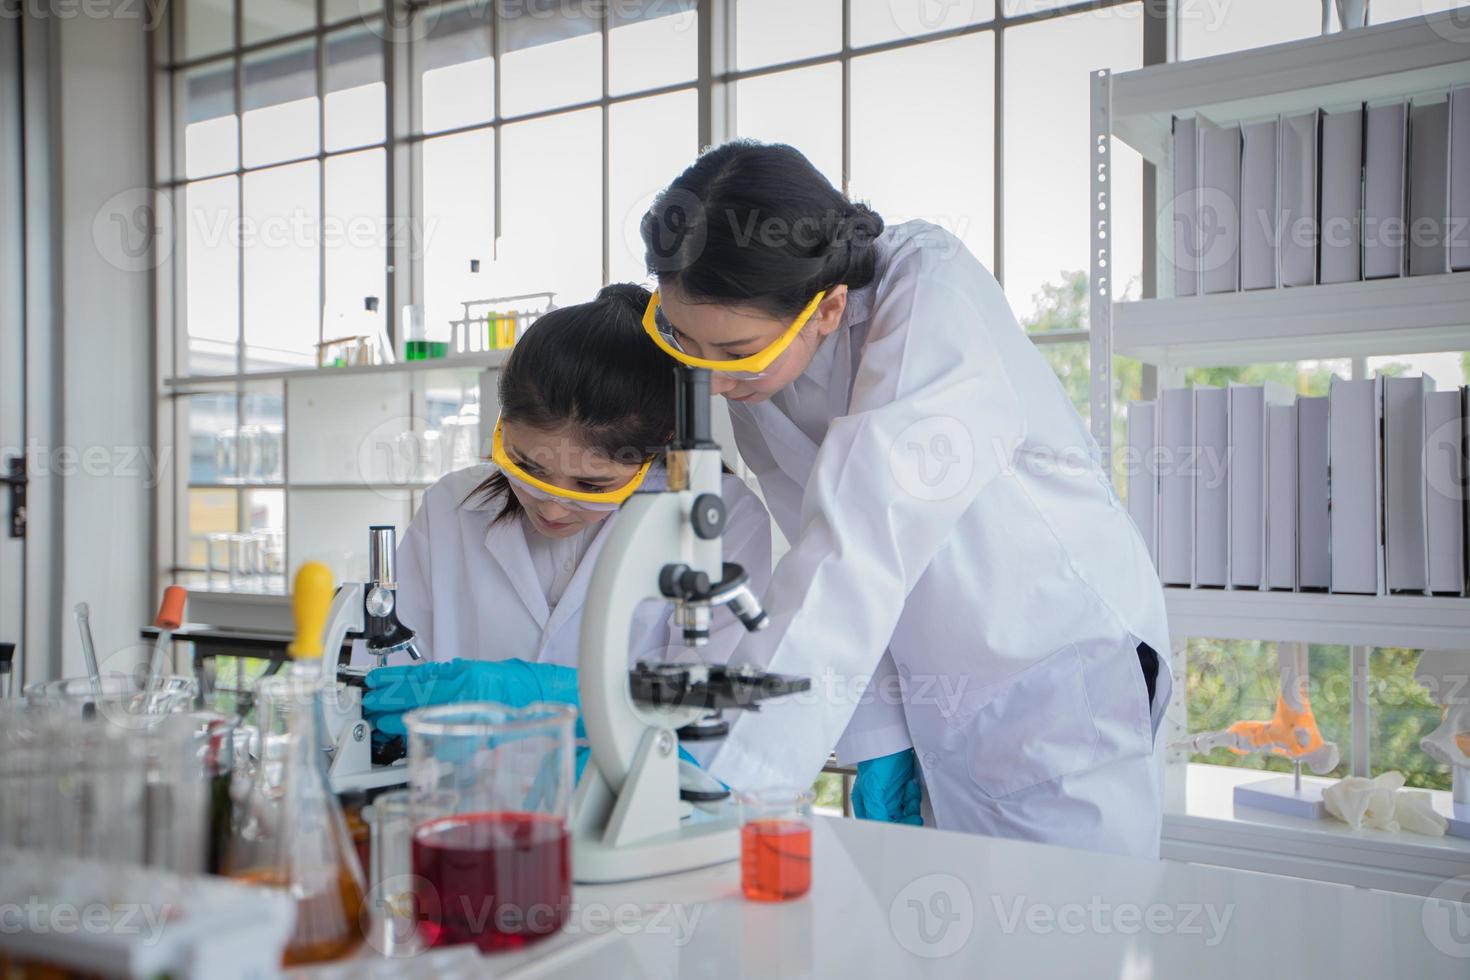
<point x="775" y="844"/>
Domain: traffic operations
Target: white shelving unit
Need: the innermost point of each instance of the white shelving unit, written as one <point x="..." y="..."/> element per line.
<point x="341" y="427"/>
<point x="1396" y="316"/>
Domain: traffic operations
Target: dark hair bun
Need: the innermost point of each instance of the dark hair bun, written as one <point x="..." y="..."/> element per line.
<point x="851" y="255"/>
<point x="628" y="293"/>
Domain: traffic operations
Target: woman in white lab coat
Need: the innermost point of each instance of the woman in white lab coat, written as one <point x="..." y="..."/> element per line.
<point x="493" y="571"/>
<point x="949" y="517"/>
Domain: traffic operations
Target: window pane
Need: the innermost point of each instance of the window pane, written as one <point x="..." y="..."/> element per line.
<point x="355" y="90"/>
<point x="768" y="32"/>
<point x="208" y="27"/>
<point x="212" y="279"/>
<point x="1449" y="369"/>
<point x="280" y="121"/>
<point x="355" y="241"/>
<point x="456" y="68"/>
<point x="265" y="19"/>
<point x="876" y="21"/>
<point x="552" y="224"/>
<point x="1236" y="680"/>
<point x="362" y="11"/>
<point x="459" y="223"/>
<point x="1208" y="28"/>
<point x="652" y="141"/>
<point x="1073" y="364"/>
<point x="802" y="108"/>
<point x="211" y="133"/>
<point x="280" y="237"/>
<point x="1402" y="712"/>
<point x="208" y="512"/>
<point x="261" y="451"/>
<point x="212" y="456"/>
<point x="1303" y="377"/>
<point x="913" y="154"/>
<point x="652" y="43"/>
<point x="1383" y="11"/>
<point x="552" y="56"/>
<point x="1048" y="179"/>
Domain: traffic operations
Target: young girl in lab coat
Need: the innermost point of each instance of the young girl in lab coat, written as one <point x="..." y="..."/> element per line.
<point x="493" y="571"/>
<point x="954" y="536"/>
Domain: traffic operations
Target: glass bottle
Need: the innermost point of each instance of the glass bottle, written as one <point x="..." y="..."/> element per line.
<point x="291" y="833"/>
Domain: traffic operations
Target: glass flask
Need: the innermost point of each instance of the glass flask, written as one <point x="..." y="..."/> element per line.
<point x="290" y="832"/>
<point x="491" y="851"/>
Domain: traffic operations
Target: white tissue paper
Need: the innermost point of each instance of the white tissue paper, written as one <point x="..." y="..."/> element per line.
<point x="1415" y="814"/>
<point x="1360" y="802"/>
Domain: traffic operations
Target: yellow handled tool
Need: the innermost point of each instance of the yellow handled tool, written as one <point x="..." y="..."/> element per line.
<point x="311" y="599"/>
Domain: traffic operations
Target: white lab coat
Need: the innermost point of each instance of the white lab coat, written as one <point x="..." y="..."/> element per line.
<point x="467" y="585"/>
<point x="953" y="511"/>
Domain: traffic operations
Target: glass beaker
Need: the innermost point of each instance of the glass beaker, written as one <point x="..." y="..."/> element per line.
<point x="775" y="844"/>
<point x="291" y="833"/>
<point x="492" y="786"/>
<point x="116" y="694"/>
<point x="393" y="920"/>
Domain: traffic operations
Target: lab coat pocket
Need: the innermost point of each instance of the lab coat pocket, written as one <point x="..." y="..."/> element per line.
<point x="1037" y="728"/>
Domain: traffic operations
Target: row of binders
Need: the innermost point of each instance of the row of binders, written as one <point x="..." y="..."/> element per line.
<point x="1362" y="192"/>
<point x="1250" y="487"/>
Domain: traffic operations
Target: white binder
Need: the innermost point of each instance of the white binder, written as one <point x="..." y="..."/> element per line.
<point x="1176" y="486"/>
<point x="1259" y="204"/>
<point x="1404" y="488"/>
<point x="1429" y="188"/>
<point x="1218" y="214"/>
<point x="1459" y="231"/>
<point x="1247" y="479"/>
<point x="1296" y="182"/>
<point x="1385" y="160"/>
<point x="1212" y="487"/>
<point x="1444" y="462"/>
<point x="1314" y="548"/>
<point x="1341" y="243"/>
<point x="1143" y="473"/>
<point x="1355" y="455"/>
<point x="1281" y="497"/>
<point x="1186" y="206"/>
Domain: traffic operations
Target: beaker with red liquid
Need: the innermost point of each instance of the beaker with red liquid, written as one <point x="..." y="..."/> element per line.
<point x="775" y="844"/>
<point x="490" y="793"/>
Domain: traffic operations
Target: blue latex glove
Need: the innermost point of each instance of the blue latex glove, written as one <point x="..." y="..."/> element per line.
<point x="887" y="789"/>
<point x="393" y="690"/>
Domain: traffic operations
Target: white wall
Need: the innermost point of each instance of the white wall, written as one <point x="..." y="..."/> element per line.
<point x="101" y="109"/>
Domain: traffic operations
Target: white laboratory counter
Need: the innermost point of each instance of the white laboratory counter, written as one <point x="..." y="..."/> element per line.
<point x="900" y="901"/>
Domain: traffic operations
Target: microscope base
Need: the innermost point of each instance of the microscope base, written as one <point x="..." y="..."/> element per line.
<point x="699" y="845"/>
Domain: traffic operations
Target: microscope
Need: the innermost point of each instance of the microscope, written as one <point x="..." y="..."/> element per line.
<point x="369" y="609"/>
<point x="628" y="819"/>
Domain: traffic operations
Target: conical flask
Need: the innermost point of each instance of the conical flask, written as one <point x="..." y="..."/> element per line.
<point x="291" y="834"/>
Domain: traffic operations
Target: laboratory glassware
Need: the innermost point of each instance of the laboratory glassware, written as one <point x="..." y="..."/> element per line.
<point x="290" y="833"/>
<point x="492" y="788"/>
<point x="775" y="844"/>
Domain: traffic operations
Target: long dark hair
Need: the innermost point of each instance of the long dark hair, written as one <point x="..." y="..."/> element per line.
<point x="592" y="366"/>
<point x="756" y="224"/>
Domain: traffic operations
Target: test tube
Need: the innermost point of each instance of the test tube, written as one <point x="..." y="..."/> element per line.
<point x="775" y="844"/>
<point x="393" y="931"/>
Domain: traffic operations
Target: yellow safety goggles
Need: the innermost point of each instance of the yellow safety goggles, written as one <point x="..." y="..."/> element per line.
<point x="657" y="326"/>
<point x="606" y="500"/>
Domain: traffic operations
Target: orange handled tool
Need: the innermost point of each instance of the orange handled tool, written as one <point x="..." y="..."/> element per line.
<point x="170" y="617"/>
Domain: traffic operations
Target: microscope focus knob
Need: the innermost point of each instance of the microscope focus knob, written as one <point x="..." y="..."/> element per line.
<point x="708" y="516"/>
<point x="682" y="582"/>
